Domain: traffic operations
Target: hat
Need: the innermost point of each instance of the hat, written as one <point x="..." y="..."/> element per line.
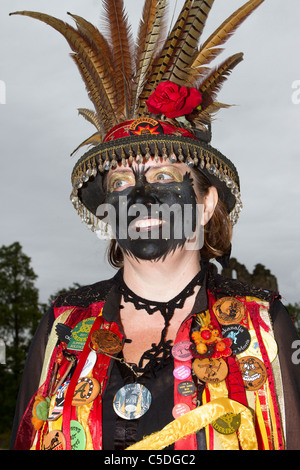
<point x="154" y="97"/>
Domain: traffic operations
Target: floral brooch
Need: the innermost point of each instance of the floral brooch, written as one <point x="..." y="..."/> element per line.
<point x="208" y="341"/>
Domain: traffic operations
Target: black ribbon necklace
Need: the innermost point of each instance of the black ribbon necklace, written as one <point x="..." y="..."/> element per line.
<point x="159" y="353"/>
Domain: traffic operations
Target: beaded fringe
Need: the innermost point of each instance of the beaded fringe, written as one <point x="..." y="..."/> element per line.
<point x="104" y="160"/>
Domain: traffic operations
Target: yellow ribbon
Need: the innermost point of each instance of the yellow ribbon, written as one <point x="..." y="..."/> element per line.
<point x="194" y="420"/>
<point x="230" y="441"/>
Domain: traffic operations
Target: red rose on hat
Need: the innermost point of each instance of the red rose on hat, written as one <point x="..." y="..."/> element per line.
<point x="173" y="100"/>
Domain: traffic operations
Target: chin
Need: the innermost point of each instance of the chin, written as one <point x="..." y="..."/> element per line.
<point x="152" y="250"/>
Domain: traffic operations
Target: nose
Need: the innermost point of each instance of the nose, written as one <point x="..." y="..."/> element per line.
<point x="142" y="194"/>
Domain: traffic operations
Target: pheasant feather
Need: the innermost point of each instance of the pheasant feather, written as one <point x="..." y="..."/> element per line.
<point x="120" y="38"/>
<point x="210" y="49"/>
<point x="191" y="33"/>
<point x="92" y="71"/>
<point x="120" y="75"/>
<point x="150" y="32"/>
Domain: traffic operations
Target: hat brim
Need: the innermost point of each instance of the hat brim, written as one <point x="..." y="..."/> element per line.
<point x="87" y="176"/>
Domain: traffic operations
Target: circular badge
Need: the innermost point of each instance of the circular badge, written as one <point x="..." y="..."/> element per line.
<point x="181" y="372"/>
<point x="186" y="388"/>
<point x="106" y="341"/>
<point x="239" y="336"/>
<point x="86" y="390"/>
<point x="54" y="440"/>
<point x="269" y="342"/>
<point x="145" y="125"/>
<point x="229" y="311"/>
<point x="253" y="372"/>
<point x="227" y="424"/>
<point x="80" y="334"/>
<point x="181" y="351"/>
<point x="210" y="370"/>
<point x="78" y="437"/>
<point x="180" y="409"/>
<point x="132" y="401"/>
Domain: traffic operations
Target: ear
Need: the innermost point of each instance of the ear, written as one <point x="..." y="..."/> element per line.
<point x="209" y="202"/>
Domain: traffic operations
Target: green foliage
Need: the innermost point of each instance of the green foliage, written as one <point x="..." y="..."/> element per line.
<point x="19" y="317"/>
<point x="20" y="314"/>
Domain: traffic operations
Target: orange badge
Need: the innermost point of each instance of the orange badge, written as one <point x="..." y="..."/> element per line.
<point x="229" y="311"/>
<point x="254" y="372"/>
<point x="86" y="390"/>
<point x="106" y="341"/>
<point x="54" y="440"/>
<point x="210" y="370"/>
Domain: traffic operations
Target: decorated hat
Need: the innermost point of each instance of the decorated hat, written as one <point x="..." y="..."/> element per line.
<point x="154" y="97"/>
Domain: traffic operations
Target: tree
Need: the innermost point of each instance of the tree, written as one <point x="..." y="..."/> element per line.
<point x="19" y="318"/>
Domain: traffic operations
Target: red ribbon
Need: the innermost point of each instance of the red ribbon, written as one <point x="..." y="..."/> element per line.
<point x="189" y="442"/>
<point x="67" y="412"/>
<point x="253" y="309"/>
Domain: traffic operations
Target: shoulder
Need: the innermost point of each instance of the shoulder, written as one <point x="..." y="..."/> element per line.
<point x="222" y="286"/>
<point x="86" y="295"/>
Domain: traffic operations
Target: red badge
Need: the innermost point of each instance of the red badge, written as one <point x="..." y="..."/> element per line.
<point x="144" y="126"/>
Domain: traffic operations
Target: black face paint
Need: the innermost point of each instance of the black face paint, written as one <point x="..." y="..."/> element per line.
<point x="153" y="219"/>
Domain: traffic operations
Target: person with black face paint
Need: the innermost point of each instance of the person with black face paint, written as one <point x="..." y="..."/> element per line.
<point x="167" y="354"/>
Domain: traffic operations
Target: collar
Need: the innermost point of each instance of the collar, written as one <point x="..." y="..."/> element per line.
<point x="111" y="309"/>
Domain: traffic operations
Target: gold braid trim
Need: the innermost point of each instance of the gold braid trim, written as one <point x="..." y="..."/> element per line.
<point x="197" y="419"/>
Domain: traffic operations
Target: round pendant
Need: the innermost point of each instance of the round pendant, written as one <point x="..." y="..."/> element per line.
<point x="210" y="370"/>
<point x="86" y="390"/>
<point x="229" y="311"/>
<point x="186" y="388"/>
<point x="254" y="372"/>
<point x="239" y="336"/>
<point x="54" y="440"/>
<point x="106" y="341"/>
<point x="78" y="437"/>
<point x="180" y="409"/>
<point x="181" y="351"/>
<point x="182" y="372"/>
<point x="132" y="401"/>
<point x="227" y="424"/>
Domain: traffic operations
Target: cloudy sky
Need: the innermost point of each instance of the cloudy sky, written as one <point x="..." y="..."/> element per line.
<point x="40" y="91"/>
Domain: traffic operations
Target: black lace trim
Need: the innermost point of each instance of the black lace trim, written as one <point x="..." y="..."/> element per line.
<point x="152" y="306"/>
<point x="160" y="353"/>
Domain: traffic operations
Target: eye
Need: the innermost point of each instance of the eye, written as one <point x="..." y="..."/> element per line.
<point x="119" y="181"/>
<point x="165" y="175"/>
<point x="118" y="184"/>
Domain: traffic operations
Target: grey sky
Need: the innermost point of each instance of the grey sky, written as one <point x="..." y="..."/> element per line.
<point x="40" y="128"/>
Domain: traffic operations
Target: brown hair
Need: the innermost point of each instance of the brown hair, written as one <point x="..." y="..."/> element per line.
<point x="217" y="232"/>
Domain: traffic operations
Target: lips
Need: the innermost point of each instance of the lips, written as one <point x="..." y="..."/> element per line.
<point x="147" y="224"/>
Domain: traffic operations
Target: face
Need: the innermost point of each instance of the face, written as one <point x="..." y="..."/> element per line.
<point x="155" y="207"/>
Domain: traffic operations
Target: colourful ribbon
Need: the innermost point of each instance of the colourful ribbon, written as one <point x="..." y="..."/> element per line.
<point x="194" y="420"/>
